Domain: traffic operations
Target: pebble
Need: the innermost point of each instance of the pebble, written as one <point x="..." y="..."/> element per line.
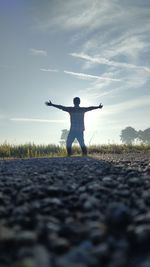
<point x="118" y="217"/>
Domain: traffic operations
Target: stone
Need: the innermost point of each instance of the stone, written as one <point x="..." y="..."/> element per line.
<point x="118" y="217"/>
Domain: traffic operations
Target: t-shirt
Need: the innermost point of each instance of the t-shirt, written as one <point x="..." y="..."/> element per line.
<point x="76" y="117"/>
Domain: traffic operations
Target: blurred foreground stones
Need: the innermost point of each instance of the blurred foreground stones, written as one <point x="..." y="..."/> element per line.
<point x="75" y="212"/>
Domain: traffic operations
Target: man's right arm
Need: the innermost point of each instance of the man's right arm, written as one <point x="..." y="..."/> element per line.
<point x="93" y="107"/>
<point x="49" y="103"/>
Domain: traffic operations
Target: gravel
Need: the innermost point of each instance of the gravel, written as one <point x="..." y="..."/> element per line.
<point x="75" y="212"/>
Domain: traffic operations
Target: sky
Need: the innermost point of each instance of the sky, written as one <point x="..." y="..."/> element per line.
<point x="56" y="50"/>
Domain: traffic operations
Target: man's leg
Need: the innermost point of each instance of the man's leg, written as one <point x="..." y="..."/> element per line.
<point x="80" y="138"/>
<point x="69" y="142"/>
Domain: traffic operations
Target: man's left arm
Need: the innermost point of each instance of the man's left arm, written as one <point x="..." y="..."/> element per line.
<point x="93" y="107"/>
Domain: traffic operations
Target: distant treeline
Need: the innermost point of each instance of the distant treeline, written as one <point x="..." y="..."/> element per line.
<point x="8" y="151"/>
<point x="129" y="135"/>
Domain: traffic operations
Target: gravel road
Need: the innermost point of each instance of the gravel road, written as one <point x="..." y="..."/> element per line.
<point x="75" y="212"/>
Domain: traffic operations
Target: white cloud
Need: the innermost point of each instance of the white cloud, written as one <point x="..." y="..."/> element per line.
<point x="36" y="120"/>
<point x="129" y="18"/>
<point x="48" y="70"/>
<point x="83" y="14"/>
<point x="100" y="60"/>
<point x="127" y="105"/>
<point x="129" y="44"/>
<point x="110" y="91"/>
<point x="38" y="52"/>
<point x="85" y="76"/>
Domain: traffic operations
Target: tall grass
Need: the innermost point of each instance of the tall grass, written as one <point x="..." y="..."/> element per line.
<point x="31" y="150"/>
<point x="119" y="149"/>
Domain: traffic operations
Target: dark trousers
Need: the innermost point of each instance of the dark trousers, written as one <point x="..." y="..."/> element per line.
<point x="80" y="137"/>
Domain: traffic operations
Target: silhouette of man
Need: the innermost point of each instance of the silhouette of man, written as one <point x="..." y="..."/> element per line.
<point x="77" y="123"/>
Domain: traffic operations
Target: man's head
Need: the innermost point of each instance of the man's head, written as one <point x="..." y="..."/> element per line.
<point x="76" y="101"/>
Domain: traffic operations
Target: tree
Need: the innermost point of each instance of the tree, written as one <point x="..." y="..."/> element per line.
<point x="128" y="135"/>
<point x="64" y="136"/>
<point x="144" y="136"/>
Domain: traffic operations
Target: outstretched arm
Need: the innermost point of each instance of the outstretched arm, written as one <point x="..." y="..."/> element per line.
<point x="94" y="107"/>
<point x="49" y="103"/>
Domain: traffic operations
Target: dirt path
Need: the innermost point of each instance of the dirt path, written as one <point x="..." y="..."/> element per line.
<point x="75" y="212"/>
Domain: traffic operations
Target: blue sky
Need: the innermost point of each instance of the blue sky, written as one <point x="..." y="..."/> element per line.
<point x="98" y="50"/>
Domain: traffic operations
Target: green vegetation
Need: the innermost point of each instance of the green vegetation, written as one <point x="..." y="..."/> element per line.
<point x="129" y="135"/>
<point x="119" y="149"/>
<point x="8" y="151"/>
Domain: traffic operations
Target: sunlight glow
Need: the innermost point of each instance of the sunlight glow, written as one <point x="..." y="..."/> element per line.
<point x="91" y="117"/>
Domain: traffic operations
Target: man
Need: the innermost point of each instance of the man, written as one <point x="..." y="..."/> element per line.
<point x="77" y="123"/>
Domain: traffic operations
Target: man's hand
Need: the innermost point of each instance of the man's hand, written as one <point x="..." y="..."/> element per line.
<point x="48" y="103"/>
<point x="100" y="106"/>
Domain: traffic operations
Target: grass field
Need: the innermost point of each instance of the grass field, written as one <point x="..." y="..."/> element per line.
<point x="31" y="150"/>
